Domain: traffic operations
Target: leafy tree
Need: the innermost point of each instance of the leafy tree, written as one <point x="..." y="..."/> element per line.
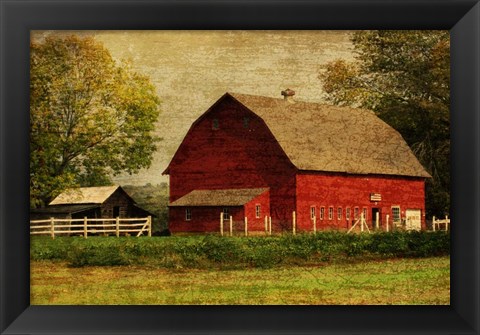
<point x="91" y="117"/>
<point x="404" y="77"/>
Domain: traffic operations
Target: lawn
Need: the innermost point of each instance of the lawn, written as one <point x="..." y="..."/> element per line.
<point x="409" y="281"/>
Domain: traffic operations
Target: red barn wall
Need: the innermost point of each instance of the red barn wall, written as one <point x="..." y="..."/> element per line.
<point x="340" y="190"/>
<point x="254" y="223"/>
<point x="241" y="153"/>
<point x="204" y="219"/>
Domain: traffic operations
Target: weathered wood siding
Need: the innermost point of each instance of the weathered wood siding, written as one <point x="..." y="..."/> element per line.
<point x="203" y="219"/>
<point x="121" y="199"/>
<point x="258" y="223"/>
<point x="241" y="153"/>
<point x="340" y="190"/>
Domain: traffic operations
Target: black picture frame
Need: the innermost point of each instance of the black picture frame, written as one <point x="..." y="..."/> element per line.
<point x="17" y="18"/>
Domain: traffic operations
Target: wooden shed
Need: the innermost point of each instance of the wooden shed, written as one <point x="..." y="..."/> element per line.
<point x="91" y="202"/>
<point x="326" y="163"/>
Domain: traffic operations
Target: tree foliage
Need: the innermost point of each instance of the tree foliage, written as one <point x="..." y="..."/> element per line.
<point x="91" y="117"/>
<point x="404" y="76"/>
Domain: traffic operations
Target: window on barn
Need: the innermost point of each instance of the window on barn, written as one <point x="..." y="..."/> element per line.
<point x="215" y="124"/>
<point x="226" y="215"/>
<point x="396" y="214"/>
<point x="312" y="212"/>
<point x="257" y="211"/>
<point x="246" y="121"/>
<point x="330" y="213"/>
<point x="322" y="213"/>
<point x="347" y="213"/>
<point x="339" y="213"/>
<point x="365" y="213"/>
<point x="188" y="214"/>
<point x="355" y="213"/>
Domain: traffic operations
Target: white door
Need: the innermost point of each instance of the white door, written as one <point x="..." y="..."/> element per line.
<point x="413" y="219"/>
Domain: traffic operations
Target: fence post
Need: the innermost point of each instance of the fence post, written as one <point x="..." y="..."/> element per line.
<point x="270" y="225"/>
<point x="52" y="227"/>
<point x="315" y="224"/>
<point x="221" y="223"/>
<point x="117" y="226"/>
<point x="231" y="225"/>
<point x="294" y="223"/>
<point x="266" y="225"/>
<point x="85" y="231"/>
<point x="246" y="226"/>
<point x="149" y="218"/>
<point x="361" y="222"/>
<point x="446" y="222"/>
<point x="388" y="217"/>
<point x="377" y="220"/>
<point x="433" y="223"/>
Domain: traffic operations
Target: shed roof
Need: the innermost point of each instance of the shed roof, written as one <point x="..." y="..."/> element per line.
<point x="322" y="137"/>
<point x="85" y="195"/>
<point x="226" y="197"/>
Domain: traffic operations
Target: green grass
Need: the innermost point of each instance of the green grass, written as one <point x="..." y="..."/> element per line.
<point x="411" y="281"/>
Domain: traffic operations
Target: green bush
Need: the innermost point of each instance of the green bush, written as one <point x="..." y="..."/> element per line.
<point x="213" y="251"/>
<point x="46" y="248"/>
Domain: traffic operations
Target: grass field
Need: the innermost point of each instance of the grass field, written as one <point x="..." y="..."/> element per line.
<point x="415" y="281"/>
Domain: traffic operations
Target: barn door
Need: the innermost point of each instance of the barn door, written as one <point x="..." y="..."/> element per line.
<point x="116" y="211"/>
<point x="413" y="219"/>
<point x="374" y="217"/>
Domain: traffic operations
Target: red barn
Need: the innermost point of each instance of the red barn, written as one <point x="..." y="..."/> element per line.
<point x="254" y="156"/>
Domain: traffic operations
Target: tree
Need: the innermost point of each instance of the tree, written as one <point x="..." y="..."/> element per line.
<point x="403" y="76"/>
<point x="91" y="117"/>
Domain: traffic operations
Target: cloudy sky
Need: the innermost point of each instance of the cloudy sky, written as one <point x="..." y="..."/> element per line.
<point x="192" y="69"/>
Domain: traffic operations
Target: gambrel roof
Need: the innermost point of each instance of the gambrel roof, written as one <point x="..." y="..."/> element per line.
<point x="320" y="137"/>
<point x="226" y="197"/>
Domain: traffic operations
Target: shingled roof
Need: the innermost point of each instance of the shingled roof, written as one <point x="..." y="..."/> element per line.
<point x="85" y="195"/>
<point x="319" y="137"/>
<point x="227" y="197"/>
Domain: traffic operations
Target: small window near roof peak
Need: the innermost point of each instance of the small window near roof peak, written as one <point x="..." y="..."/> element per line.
<point x="246" y="121"/>
<point x="215" y="124"/>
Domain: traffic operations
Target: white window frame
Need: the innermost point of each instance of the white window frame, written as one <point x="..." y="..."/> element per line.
<point x="330" y="212"/>
<point x="347" y="213"/>
<point x="356" y="212"/>
<point x="399" y="219"/>
<point x="365" y="213"/>
<point x="339" y="213"/>
<point x="226" y="213"/>
<point x="258" y="212"/>
<point x="313" y="212"/>
<point x="322" y="213"/>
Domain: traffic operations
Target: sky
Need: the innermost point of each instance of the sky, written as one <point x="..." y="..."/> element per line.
<point x="193" y="69"/>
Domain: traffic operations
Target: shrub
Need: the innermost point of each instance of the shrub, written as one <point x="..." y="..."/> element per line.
<point x="237" y="252"/>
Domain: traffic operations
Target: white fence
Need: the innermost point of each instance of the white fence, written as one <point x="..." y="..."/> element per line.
<point x="437" y="223"/>
<point x="115" y="226"/>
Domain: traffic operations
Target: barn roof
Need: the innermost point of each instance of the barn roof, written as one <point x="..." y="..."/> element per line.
<point x="322" y="137"/>
<point x="85" y="195"/>
<point x="227" y="197"/>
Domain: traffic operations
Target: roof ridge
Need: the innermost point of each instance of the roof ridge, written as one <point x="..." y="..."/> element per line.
<point x="318" y="103"/>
